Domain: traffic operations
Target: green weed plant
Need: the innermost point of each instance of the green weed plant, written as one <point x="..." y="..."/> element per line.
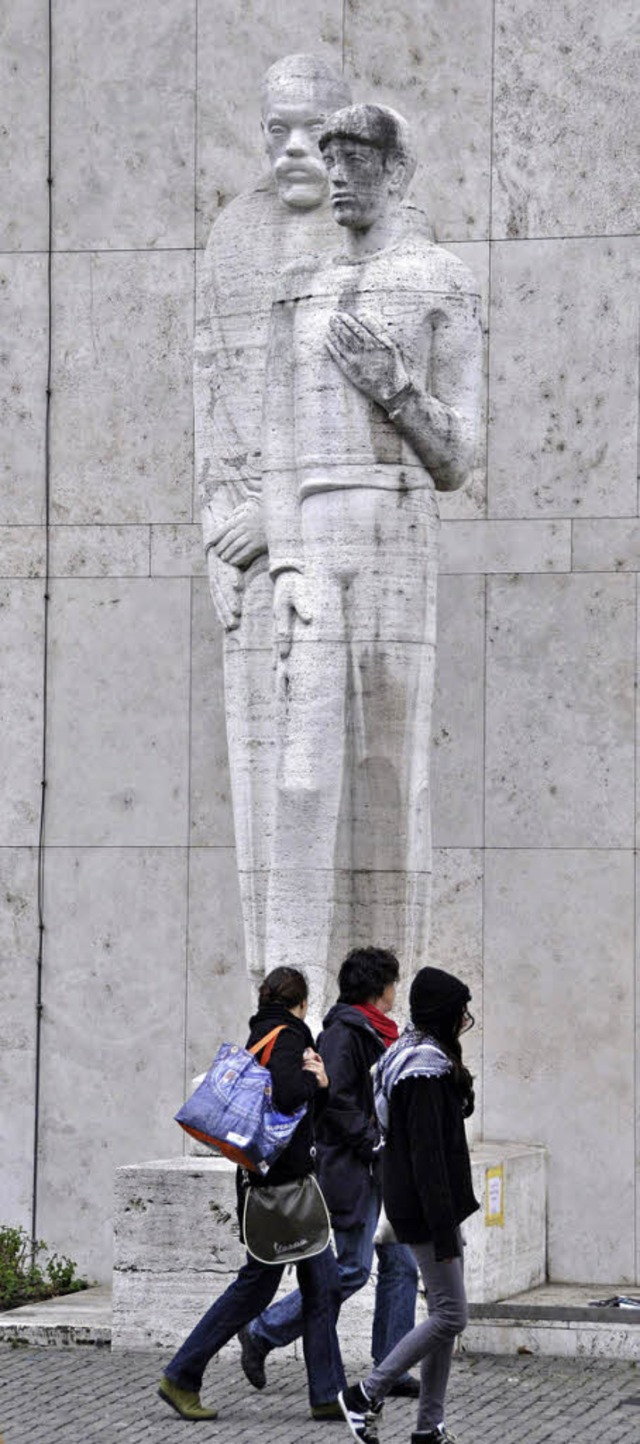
<point x="24" y="1279"/>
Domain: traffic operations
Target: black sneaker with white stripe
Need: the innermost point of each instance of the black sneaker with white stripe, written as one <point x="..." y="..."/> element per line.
<point x="360" y="1414"/>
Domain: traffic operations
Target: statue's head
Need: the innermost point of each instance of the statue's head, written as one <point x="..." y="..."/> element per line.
<point x="299" y="93"/>
<point x="370" y="160"/>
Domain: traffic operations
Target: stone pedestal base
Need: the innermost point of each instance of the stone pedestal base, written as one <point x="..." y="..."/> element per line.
<point x="177" y="1245"/>
<point x="499" y="1254"/>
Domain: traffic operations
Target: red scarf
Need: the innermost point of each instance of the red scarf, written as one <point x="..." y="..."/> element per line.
<point x="385" y="1027"/>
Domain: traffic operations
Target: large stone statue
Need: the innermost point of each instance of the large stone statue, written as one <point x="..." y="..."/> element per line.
<point x="286" y="217"/>
<point x="371" y="406"/>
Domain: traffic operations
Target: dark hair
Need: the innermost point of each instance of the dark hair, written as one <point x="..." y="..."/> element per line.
<point x="283" y="985"/>
<point x="365" y="973"/>
<point x="446" y="1032"/>
<point x="376" y="125"/>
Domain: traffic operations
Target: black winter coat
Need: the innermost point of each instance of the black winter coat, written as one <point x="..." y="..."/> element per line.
<point x="292" y="1086"/>
<point x="427" y="1184"/>
<point x="347" y="1130"/>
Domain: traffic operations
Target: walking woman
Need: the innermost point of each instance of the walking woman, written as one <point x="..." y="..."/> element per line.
<point x="423" y="1094"/>
<point x="299" y="1077"/>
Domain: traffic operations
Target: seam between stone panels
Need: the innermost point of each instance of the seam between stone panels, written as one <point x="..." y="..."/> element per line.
<point x="41" y="847"/>
<point x="485" y="649"/>
<point x="196" y="58"/>
<point x="638" y="430"/>
<point x="185" y="1039"/>
<point x="109" y="251"/>
<point x="487" y="498"/>
<point x="636" y="1074"/>
<point x="556" y="847"/>
<point x="446" y="241"/>
<point x="195" y="237"/>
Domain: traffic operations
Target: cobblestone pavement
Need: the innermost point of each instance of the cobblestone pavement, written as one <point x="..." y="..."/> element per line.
<point x="88" y="1395"/>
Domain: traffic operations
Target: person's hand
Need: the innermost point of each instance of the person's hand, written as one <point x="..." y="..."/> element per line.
<point x="240" y="537"/>
<point x="313" y="1064"/>
<point x="225" y="585"/>
<point x="368" y="357"/>
<point x="290" y="600"/>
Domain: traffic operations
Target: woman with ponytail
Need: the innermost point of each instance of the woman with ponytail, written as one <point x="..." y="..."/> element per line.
<point x="298" y="1077"/>
<point x="423" y="1093"/>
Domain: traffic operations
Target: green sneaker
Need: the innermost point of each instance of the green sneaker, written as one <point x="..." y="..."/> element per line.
<point x="184" y="1401"/>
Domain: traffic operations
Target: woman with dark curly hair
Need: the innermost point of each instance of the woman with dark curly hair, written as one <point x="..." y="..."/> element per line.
<point x="424" y="1092"/>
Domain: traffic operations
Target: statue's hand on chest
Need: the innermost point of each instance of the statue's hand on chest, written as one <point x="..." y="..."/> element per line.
<point x="367" y="356"/>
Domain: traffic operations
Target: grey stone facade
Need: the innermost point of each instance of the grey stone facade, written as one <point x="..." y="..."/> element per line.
<point x="526" y="131"/>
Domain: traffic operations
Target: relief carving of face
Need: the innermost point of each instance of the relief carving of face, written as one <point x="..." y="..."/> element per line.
<point x="291" y="129"/>
<point x="361" y="182"/>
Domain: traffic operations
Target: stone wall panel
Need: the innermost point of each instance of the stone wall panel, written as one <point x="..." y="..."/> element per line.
<point x="124" y="85"/>
<point x="487" y="547"/>
<point x="457" y="740"/>
<point x="21" y="690"/>
<point x="113" y="1036"/>
<point x="18" y="989"/>
<point x="99" y="551"/>
<point x="122" y="437"/>
<point x="119" y="706"/>
<point x="22" y="551"/>
<point x="23" y="383"/>
<point x="566" y="108"/>
<point x="606" y="546"/>
<point x="560" y="711"/>
<point x="23" y="87"/>
<point x="564" y="378"/>
<point x="559" y="1040"/>
<point x="177" y="551"/>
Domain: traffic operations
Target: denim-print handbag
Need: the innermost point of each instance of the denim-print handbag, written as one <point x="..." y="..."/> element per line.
<point x="232" y="1108"/>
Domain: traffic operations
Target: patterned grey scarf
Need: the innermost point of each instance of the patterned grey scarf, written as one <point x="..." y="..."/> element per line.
<point x="415" y="1055"/>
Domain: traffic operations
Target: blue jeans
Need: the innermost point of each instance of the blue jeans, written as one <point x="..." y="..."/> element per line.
<point x="252" y="1291"/>
<point x="396" y="1292"/>
<point x="282" y="1323"/>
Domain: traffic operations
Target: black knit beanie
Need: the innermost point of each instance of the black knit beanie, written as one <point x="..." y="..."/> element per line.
<point x="436" y="997"/>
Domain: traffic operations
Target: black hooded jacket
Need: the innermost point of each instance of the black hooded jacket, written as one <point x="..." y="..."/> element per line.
<point x="347" y="1130"/>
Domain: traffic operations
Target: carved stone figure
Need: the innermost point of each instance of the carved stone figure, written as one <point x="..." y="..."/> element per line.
<point x="285" y="217"/>
<point x="371" y="407"/>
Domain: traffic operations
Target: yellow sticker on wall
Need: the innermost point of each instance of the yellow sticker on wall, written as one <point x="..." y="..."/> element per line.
<point x="494" y="1197"/>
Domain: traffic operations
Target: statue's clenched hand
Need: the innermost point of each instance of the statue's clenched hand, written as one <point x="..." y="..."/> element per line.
<point x="368" y="357"/>
<point x="240" y="537"/>
<point x="290" y="600"/>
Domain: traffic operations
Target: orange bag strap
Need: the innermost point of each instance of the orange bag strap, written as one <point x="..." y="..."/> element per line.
<point x="267" y="1043"/>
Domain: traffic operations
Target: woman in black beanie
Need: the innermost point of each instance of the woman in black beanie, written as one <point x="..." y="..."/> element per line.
<point x="423" y="1094"/>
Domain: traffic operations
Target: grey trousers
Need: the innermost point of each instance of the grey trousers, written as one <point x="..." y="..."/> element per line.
<point x="430" y="1343"/>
